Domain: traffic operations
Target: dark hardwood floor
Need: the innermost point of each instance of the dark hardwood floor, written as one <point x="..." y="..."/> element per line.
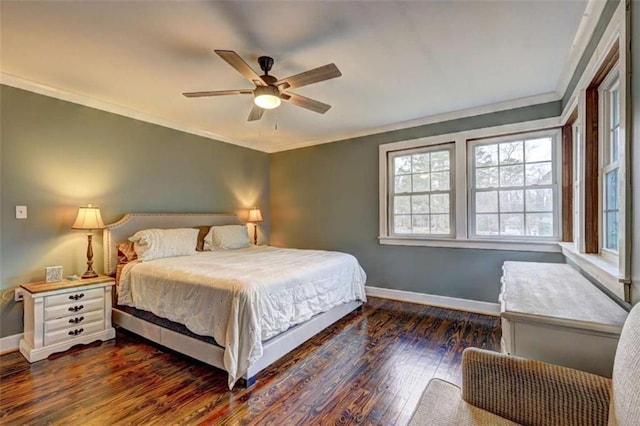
<point x="369" y="368"/>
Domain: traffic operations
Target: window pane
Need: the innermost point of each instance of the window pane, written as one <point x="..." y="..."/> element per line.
<point x="440" y="181"/>
<point x="402" y="224"/>
<point x="511" y="176"/>
<point x="487" y="224"/>
<point x="486" y="155"/>
<point x="611" y="223"/>
<point x="420" y="224"/>
<point x="539" y="200"/>
<point x="487" y="178"/>
<point x="402" y="204"/>
<point x="440" y="161"/>
<point x="611" y="190"/>
<point x="512" y="201"/>
<point x="537" y="150"/>
<point x="402" y="165"/>
<point x="615" y="140"/>
<point x="439" y="203"/>
<point x="540" y="224"/>
<point x="512" y="224"/>
<point x="420" y="203"/>
<point x="539" y="174"/>
<point x="420" y="182"/>
<point x="511" y="153"/>
<point x="420" y="163"/>
<point x="440" y="224"/>
<point x="403" y="184"/>
<point x="487" y="202"/>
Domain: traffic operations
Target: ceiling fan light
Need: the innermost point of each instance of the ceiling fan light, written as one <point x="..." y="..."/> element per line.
<point x="267" y="97"/>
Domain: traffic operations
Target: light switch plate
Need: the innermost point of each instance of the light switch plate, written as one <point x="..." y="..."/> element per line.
<point x="21" y="212"/>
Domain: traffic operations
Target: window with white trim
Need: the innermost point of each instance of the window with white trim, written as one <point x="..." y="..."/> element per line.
<point x="474" y="189"/>
<point x="421" y="191"/>
<point x="513" y="188"/>
<point x="575" y="179"/>
<point x="609" y="168"/>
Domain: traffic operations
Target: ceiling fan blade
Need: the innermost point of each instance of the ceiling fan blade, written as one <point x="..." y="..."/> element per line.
<point x="218" y="93"/>
<point x="256" y="113"/>
<point x="315" y="75"/>
<point x="241" y="66"/>
<point x="304" y="102"/>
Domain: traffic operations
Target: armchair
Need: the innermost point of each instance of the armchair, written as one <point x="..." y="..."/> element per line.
<point x="499" y="389"/>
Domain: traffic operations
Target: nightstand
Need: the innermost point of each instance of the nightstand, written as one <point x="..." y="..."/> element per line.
<point x="60" y="315"/>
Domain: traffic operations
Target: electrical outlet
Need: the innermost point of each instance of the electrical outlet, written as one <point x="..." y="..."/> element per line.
<point x="21" y="212"/>
<point x="18" y="296"/>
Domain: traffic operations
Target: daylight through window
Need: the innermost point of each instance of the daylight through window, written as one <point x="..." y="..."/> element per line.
<point x="420" y="188"/>
<point x="513" y="188"/>
<point x="611" y="139"/>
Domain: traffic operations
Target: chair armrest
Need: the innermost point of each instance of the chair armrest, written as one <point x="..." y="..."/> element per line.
<point x="533" y="392"/>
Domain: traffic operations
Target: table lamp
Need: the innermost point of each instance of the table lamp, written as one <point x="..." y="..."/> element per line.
<point x="88" y="219"/>
<point x="254" y="217"/>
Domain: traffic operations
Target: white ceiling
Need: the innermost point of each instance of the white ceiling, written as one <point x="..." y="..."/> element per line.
<point x="400" y="60"/>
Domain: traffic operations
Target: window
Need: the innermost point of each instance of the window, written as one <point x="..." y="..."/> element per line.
<point x="610" y="143"/>
<point x="577" y="167"/>
<point x="513" y="188"/>
<point x="421" y="191"/>
<point x="474" y="189"/>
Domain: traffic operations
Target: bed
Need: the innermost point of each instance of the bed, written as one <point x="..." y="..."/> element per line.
<point x="237" y="310"/>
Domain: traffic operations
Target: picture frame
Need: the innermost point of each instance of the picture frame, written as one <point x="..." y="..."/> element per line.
<point x="53" y="274"/>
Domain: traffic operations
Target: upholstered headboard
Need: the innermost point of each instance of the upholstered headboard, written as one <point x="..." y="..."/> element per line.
<point x="131" y="223"/>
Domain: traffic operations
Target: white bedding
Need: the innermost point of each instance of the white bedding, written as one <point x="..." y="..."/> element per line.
<point x="242" y="297"/>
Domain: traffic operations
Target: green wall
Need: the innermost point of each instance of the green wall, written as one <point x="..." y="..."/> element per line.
<point x="326" y="197"/>
<point x="56" y="156"/>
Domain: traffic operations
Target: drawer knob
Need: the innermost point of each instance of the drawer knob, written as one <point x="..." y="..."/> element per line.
<point x="76" y="320"/>
<point x="76" y="308"/>
<point x="76" y="332"/>
<point x="76" y="296"/>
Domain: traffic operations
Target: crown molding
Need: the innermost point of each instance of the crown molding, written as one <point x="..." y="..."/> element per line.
<point x="437" y="118"/>
<point x="43" y="89"/>
<point x="587" y="26"/>
<point x="84" y="100"/>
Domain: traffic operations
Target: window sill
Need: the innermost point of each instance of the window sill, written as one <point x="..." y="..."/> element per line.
<point x="472" y="244"/>
<point x="606" y="273"/>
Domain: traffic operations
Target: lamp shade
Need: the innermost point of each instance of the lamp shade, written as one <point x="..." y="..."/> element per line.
<point x="255" y="215"/>
<point x="88" y="218"/>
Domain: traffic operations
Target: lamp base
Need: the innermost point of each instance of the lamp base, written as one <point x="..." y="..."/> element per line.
<point x="89" y="274"/>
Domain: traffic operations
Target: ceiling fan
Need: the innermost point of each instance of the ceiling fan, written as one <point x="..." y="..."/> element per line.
<point x="270" y="91"/>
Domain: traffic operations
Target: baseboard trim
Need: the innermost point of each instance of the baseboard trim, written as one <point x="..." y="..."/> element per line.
<point x="466" y="305"/>
<point x="10" y="343"/>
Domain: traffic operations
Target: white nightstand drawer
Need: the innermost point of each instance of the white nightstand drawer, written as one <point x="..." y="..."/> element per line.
<point x="73" y="297"/>
<point x="73" y="308"/>
<point x="73" y="321"/>
<point x="73" y="332"/>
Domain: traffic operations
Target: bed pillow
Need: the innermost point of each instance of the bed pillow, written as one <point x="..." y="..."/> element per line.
<point x="227" y="237"/>
<point x="153" y="244"/>
<point x="126" y="252"/>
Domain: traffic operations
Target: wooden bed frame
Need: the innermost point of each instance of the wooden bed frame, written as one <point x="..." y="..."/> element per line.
<point x="273" y="349"/>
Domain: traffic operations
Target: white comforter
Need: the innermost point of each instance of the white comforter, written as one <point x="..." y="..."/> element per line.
<point x="242" y="297"/>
